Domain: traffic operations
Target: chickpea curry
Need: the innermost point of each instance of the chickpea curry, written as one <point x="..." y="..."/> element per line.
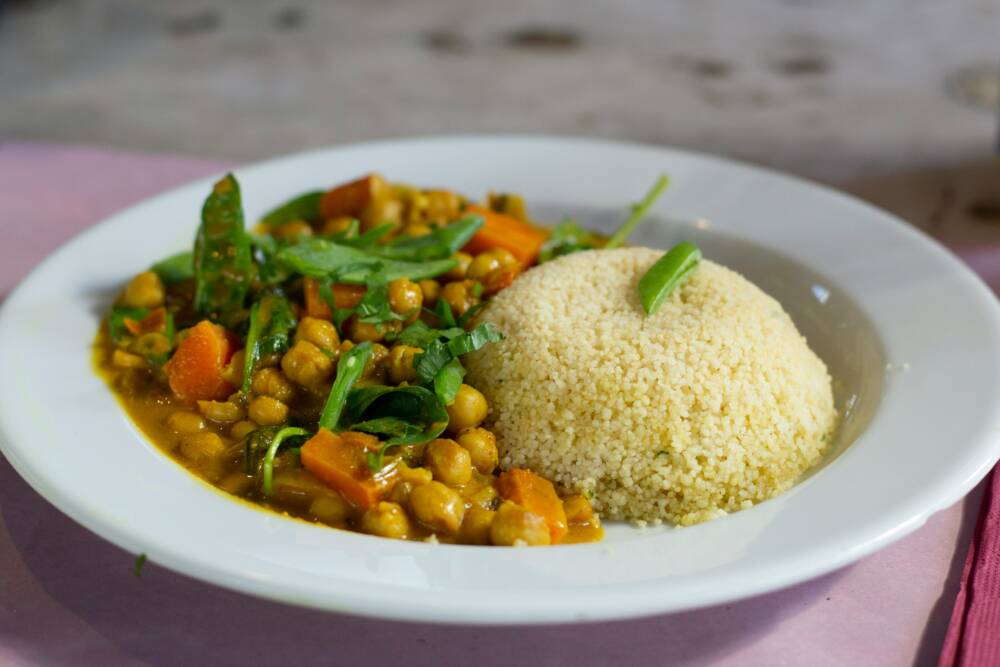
<point x="315" y="367"/>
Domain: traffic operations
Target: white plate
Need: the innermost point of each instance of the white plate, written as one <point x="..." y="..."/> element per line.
<point x="876" y="292"/>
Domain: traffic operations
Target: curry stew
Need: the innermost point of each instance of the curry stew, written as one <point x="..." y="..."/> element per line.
<point x="314" y="367"/>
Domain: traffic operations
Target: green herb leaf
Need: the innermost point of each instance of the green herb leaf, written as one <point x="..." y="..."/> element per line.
<point x="475" y="339"/>
<point x="439" y="244"/>
<point x="429" y="363"/>
<point x="223" y="263"/>
<point x="392" y="426"/>
<point x="319" y="258"/>
<point x="349" y="369"/>
<point x="174" y="269"/>
<point x="438" y="354"/>
<point x="382" y="406"/>
<point x="448" y="380"/>
<point x="282" y="436"/>
<point x="140" y="562"/>
<point x="443" y="311"/>
<point x="369" y="238"/>
<point x="374" y="306"/>
<point x="666" y="274"/>
<point x="567" y="237"/>
<point x="638" y="213"/>
<point x="304" y="207"/>
<point x="419" y="334"/>
<point x="271" y="322"/>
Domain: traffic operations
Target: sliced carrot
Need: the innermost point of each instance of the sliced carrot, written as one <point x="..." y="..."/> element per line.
<point x="537" y="495"/>
<point x="344" y="296"/>
<point x="195" y="372"/>
<point x="503" y="231"/>
<point x="339" y="460"/>
<point x="351" y="198"/>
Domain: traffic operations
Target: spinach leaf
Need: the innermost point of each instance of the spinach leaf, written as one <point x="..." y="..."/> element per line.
<point x="448" y="380"/>
<point x="349" y="369"/>
<point x="475" y="339"/>
<point x="319" y="258"/>
<point x="304" y="207"/>
<point x="175" y="269"/>
<point x="392" y="426"/>
<point x="419" y="334"/>
<point x="223" y="264"/>
<point x="438" y="354"/>
<point x="428" y="363"/>
<point x="374" y="306"/>
<point x="442" y="309"/>
<point x="271" y="322"/>
<point x="439" y="244"/>
<point x="369" y="238"/>
<point x="567" y="237"/>
<point x="411" y="415"/>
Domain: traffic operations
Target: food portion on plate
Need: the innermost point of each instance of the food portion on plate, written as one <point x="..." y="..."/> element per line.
<point x="411" y="364"/>
<point x="709" y="405"/>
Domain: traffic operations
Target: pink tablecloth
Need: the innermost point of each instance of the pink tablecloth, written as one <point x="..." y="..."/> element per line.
<point x="68" y="597"/>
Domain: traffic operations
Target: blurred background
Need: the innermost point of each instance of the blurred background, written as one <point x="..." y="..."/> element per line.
<point x="832" y="89"/>
<point x="856" y="93"/>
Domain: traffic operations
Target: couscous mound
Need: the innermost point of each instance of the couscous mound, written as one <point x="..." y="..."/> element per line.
<point x="710" y="405"/>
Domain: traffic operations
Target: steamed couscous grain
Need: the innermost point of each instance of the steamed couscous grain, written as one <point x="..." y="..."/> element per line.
<point x="712" y="404"/>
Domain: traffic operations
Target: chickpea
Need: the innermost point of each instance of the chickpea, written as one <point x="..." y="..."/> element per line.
<point x="319" y="332"/>
<point x="242" y="429"/>
<point x="437" y="506"/>
<point x="515" y="526"/>
<point x="331" y="509"/>
<point x="237" y="483"/>
<point x="399" y="364"/>
<point x="468" y="410"/>
<point x="459" y="296"/>
<point x="124" y="359"/>
<point x="337" y="225"/>
<point x="267" y="411"/>
<point x="272" y="382"/>
<point x="184" y="422"/>
<point x="151" y="346"/>
<point x="464" y="259"/>
<point x="233" y="372"/>
<point x="401" y="493"/>
<point x="476" y="525"/>
<point x="290" y="231"/>
<point x="486" y="497"/>
<point x="306" y="364"/>
<point x="203" y="447"/>
<point x="441" y="204"/>
<point x="578" y="510"/>
<point x="381" y="211"/>
<point x="431" y="290"/>
<point x="413" y="476"/>
<point x="144" y="291"/>
<point x="386" y="519"/>
<point x="359" y="331"/>
<point x="484" y="264"/>
<point x="415" y="229"/>
<point x="482" y="447"/>
<point x="406" y="298"/>
<point x="375" y="367"/>
<point x="223" y="412"/>
<point x="448" y="461"/>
